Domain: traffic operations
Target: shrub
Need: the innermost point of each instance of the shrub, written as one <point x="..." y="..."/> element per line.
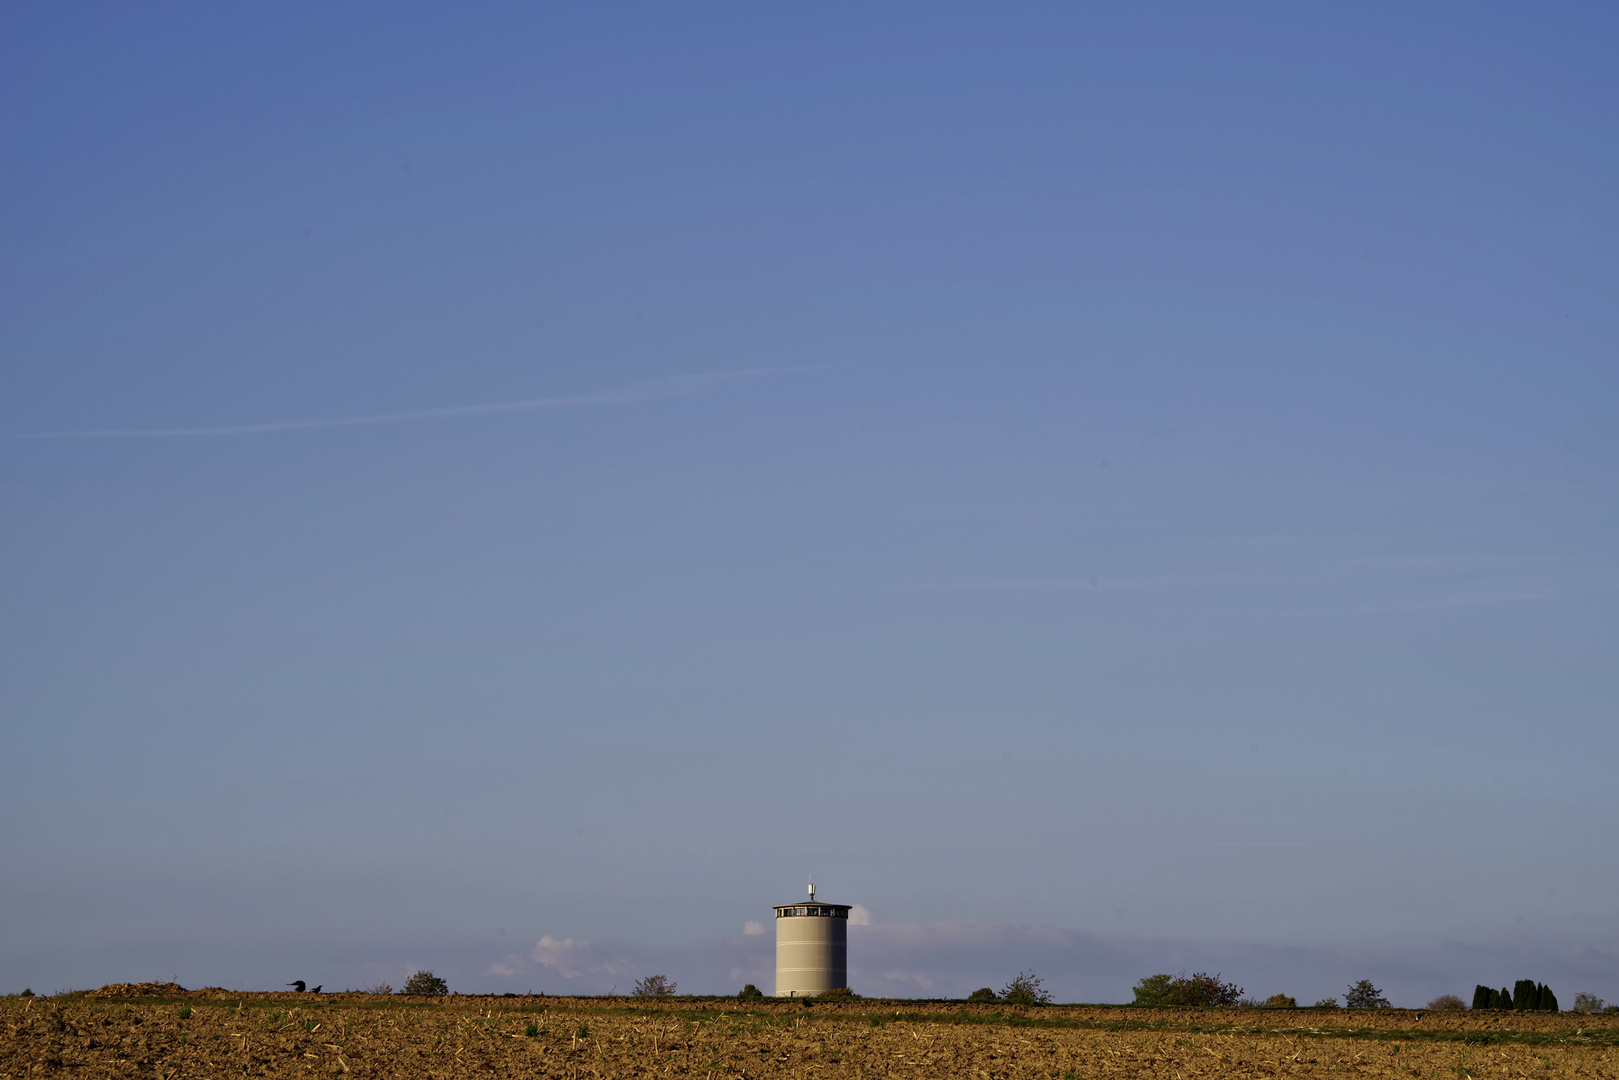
<point x="1203" y="989"/>
<point x="1280" y="1001"/>
<point x="1198" y="990"/>
<point x="1326" y="1003"/>
<point x="1153" y="991"/>
<point x="1482" y="996"/>
<point x="1026" y="990"/>
<point x="1447" y="1003"/>
<point x="426" y="984"/>
<point x="983" y="994"/>
<point x="750" y="993"/>
<point x="840" y="992"/>
<point x="379" y="988"/>
<point x="1363" y="995"/>
<point x="1587" y="1003"/>
<point x="653" y="986"/>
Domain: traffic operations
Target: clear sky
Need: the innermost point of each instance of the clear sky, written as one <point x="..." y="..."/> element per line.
<point x="517" y="489"/>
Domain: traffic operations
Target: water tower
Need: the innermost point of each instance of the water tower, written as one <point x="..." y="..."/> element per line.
<point x="812" y="947"/>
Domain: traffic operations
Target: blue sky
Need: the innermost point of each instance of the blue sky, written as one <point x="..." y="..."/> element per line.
<point x="516" y="491"/>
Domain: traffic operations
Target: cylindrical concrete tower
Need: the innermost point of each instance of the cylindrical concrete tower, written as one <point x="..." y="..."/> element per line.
<point x="812" y="947"/>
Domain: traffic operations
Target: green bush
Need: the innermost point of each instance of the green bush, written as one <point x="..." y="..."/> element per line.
<point x="983" y="995"/>
<point x="1326" y="1003"/>
<point x="1026" y="990"/>
<point x="1153" y="991"/>
<point x="1280" y="1001"/>
<point x="426" y="984"/>
<point x="1198" y="990"/>
<point x="751" y="993"/>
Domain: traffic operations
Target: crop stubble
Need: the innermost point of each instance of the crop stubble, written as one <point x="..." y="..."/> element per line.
<point x="356" y="1035"/>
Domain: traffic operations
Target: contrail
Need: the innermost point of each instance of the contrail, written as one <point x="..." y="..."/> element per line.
<point x="641" y="391"/>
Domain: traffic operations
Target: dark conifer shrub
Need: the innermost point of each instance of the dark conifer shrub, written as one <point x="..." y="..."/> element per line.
<point x="1482" y="996"/>
<point x="1524" y="994"/>
<point x="1548" y="1000"/>
<point x="1503" y="1000"/>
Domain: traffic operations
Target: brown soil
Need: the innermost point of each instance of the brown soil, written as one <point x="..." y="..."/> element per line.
<point x="139" y="1031"/>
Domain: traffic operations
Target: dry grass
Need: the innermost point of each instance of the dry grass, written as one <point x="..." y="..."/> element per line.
<point x="122" y="1032"/>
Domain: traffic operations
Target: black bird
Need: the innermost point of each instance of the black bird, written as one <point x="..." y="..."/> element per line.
<point x="299" y="986"/>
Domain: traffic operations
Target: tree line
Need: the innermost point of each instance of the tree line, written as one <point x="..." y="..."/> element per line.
<point x="1525" y="996"/>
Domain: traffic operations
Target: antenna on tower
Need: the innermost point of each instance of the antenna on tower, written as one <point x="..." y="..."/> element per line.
<point x="812" y="891"/>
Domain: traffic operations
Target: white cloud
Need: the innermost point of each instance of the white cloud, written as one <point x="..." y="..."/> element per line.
<point x="510" y="964"/>
<point x="860" y="915"/>
<point x="570" y="958"/>
<point x="917" y="979"/>
<point x="753" y="928"/>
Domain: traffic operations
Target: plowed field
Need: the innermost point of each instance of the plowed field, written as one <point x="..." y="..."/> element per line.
<point x="123" y="1031"/>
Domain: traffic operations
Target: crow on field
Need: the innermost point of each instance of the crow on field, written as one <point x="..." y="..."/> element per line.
<point x="299" y="986"/>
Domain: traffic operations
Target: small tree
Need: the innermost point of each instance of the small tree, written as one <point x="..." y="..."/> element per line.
<point x="1588" y="1003"/>
<point x="1280" y="1001"/>
<point x="1363" y="995"/>
<point x="653" y="986"/>
<point x="1482" y="996"/>
<point x="984" y="995"/>
<point x="1326" y="1003"/>
<point x="1026" y="990"/>
<point x="427" y="984"/>
<point x="750" y="993"/>
<point x="1447" y="1003"/>
<point x="1525" y="995"/>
